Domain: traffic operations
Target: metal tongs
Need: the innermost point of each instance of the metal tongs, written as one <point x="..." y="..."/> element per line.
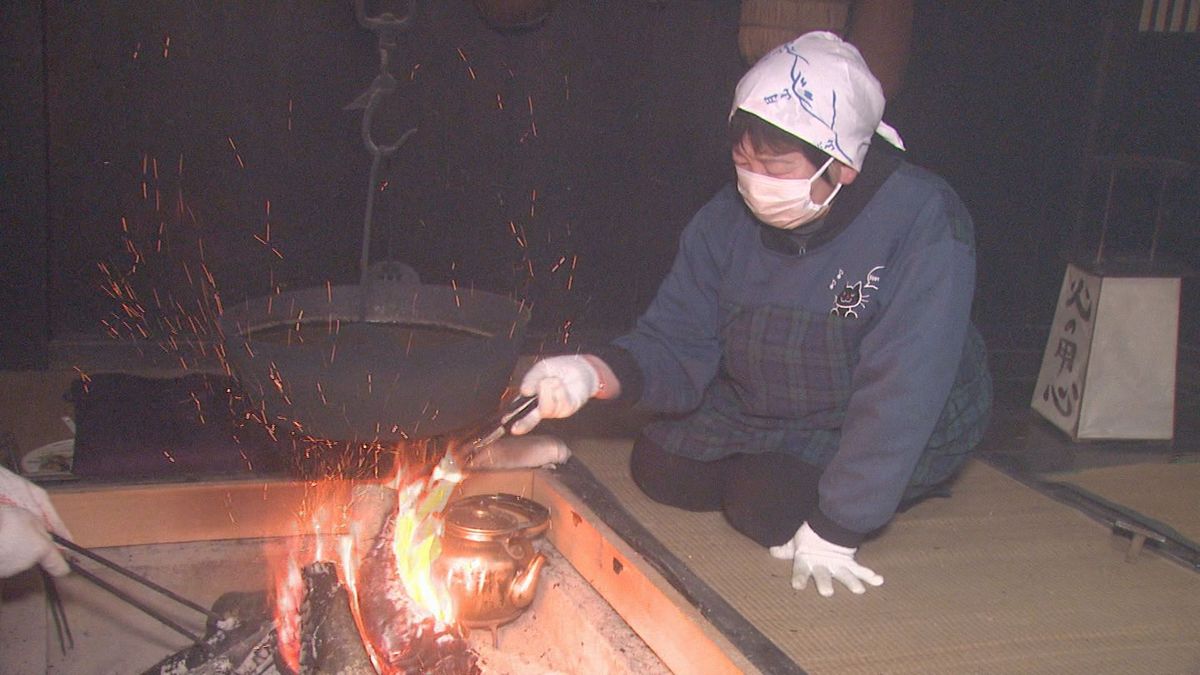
<point x="60" y="617"/>
<point x="498" y="428"/>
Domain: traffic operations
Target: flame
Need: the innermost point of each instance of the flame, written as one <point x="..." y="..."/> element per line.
<point x="320" y="516"/>
<point x="289" y="593"/>
<point x="348" y="571"/>
<point x="415" y="545"/>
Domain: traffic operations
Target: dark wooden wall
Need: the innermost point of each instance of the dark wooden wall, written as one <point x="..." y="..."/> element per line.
<point x="24" y="236"/>
<point x="169" y="127"/>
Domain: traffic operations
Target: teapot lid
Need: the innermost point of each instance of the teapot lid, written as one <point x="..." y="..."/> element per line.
<point x="492" y="517"/>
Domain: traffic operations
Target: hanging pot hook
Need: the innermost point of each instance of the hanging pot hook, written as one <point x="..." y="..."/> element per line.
<point x="385" y="24"/>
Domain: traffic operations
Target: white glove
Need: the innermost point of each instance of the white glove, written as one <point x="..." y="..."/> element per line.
<point x="562" y="384"/>
<point x="26" y="516"/>
<point x="814" y="557"/>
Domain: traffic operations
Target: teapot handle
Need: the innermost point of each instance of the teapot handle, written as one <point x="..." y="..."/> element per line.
<point x="534" y="514"/>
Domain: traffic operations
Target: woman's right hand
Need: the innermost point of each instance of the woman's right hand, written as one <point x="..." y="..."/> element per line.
<point x="26" y="519"/>
<point x="562" y="384"/>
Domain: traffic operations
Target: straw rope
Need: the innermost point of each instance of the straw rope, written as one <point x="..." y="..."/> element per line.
<point x="766" y="24"/>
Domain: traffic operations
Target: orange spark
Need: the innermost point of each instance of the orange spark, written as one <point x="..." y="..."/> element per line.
<point x="236" y="154"/>
<point x="83" y="377"/>
<point x="463" y="56"/>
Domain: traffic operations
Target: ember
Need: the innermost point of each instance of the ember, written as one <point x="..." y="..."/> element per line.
<point x="377" y="609"/>
<point x="402" y="635"/>
<point x="246" y="641"/>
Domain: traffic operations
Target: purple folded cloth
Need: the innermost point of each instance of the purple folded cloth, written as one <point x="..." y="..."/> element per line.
<point x="130" y="427"/>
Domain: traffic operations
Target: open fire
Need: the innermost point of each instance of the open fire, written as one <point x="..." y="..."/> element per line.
<point x="372" y="600"/>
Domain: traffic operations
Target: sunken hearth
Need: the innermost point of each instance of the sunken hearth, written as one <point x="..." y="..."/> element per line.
<point x="569" y="628"/>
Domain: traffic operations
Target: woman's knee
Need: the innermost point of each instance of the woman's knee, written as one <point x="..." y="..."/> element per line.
<point x="770" y="496"/>
<point x="677" y="481"/>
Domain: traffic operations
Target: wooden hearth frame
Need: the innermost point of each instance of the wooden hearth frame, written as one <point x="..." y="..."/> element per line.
<point x="126" y="515"/>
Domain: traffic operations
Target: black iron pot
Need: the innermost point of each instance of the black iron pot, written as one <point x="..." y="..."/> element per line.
<point x="514" y="15"/>
<point x="387" y="361"/>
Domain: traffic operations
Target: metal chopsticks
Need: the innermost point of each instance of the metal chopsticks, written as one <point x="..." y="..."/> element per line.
<point x="68" y="544"/>
<point x="517" y="409"/>
<point x="132" y="601"/>
<point x="75" y="567"/>
<point x="58" y="612"/>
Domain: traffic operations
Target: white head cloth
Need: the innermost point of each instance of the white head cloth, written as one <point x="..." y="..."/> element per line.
<point x="818" y="88"/>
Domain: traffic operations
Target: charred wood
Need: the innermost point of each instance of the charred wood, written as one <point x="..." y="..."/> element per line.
<point x="402" y="635"/>
<point x="242" y="642"/>
<point x="330" y="642"/>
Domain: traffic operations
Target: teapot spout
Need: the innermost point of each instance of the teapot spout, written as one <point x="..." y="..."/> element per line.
<point x="520" y="594"/>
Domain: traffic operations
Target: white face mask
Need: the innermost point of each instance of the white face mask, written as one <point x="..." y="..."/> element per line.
<point x="785" y="203"/>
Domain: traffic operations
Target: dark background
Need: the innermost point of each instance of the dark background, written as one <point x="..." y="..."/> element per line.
<point x="144" y="141"/>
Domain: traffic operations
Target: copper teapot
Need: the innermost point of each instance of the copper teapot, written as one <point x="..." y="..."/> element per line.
<point x="488" y="559"/>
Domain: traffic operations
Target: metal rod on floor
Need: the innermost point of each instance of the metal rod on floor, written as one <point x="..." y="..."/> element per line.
<point x="77" y="569"/>
<point x="68" y="544"/>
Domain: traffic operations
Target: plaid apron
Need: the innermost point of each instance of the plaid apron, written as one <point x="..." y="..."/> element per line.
<point x="784" y="384"/>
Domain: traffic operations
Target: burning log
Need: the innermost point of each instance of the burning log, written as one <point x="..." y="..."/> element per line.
<point x="403" y="636"/>
<point x="245" y="642"/>
<point x="386" y="616"/>
<point x="330" y="641"/>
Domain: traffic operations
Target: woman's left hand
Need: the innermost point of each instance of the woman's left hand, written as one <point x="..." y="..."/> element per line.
<point x="823" y="561"/>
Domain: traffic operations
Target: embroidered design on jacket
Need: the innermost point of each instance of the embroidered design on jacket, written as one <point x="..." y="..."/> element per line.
<point x="853" y="296"/>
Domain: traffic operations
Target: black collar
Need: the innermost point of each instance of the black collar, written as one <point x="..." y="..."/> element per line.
<point x="878" y="166"/>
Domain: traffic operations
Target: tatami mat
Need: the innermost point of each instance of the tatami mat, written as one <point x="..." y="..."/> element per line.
<point x="1167" y="493"/>
<point x="996" y="579"/>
